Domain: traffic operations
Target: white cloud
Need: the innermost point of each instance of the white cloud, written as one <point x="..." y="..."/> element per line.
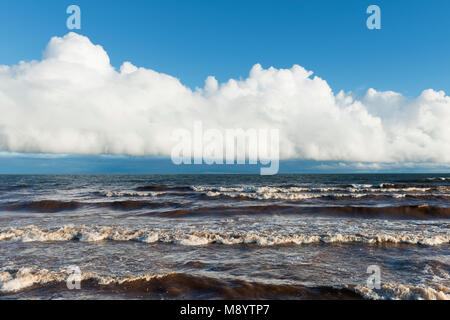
<point x="74" y="102"/>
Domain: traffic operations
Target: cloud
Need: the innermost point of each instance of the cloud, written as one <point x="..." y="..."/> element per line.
<point x="74" y="102"/>
<point x="382" y="167"/>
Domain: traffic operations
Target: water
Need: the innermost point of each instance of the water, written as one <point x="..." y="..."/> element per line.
<point x="225" y="236"/>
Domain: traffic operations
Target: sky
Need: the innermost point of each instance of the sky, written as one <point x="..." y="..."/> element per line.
<point x="381" y="95"/>
<point x="194" y="39"/>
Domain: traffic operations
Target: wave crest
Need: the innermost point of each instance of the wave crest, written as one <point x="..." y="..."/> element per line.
<point x="396" y="291"/>
<point x="206" y="237"/>
<point x="179" y="285"/>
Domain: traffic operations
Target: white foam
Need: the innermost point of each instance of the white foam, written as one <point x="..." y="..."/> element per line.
<point x="111" y="194"/>
<point x="396" y="291"/>
<point x="28" y="277"/>
<point x="204" y="237"/>
<point x="25" y="278"/>
<point x="16" y="281"/>
<point x="303" y="193"/>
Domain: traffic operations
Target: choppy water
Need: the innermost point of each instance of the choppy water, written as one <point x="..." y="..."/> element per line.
<point x="225" y="236"/>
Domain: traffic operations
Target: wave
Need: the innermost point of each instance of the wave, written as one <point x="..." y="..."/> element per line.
<point x="397" y="212"/>
<point x="176" y="209"/>
<point x="43" y="206"/>
<point x="168" y="285"/>
<point x="325" y="196"/>
<point x="291" y="193"/>
<point x="52" y="206"/>
<point x="127" y="205"/>
<point x="430" y="180"/>
<point x="208" y="237"/>
<point x="15" y="187"/>
<point x="351" y="188"/>
<point x="182" y="286"/>
<point x="427" y="181"/>
<point x="118" y="194"/>
<point x="163" y="188"/>
<point x="398" y="186"/>
<point x="263" y="196"/>
<point x="421" y="212"/>
<point x="396" y="291"/>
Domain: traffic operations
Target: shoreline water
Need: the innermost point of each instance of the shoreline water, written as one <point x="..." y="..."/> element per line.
<point x="225" y="237"/>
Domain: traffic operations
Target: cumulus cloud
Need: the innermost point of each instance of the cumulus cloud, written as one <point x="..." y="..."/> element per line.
<point x="74" y="102"/>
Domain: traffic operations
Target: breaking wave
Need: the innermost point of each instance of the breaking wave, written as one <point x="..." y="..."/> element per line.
<point x="396" y="291"/>
<point x="168" y="285"/>
<point x="180" y="285"/>
<point x="118" y="194"/>
<point x="295" y="193"/>
<point x="207" y="237"/>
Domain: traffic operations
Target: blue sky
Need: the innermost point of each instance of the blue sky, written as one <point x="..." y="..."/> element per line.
<point x="194" y="39"/>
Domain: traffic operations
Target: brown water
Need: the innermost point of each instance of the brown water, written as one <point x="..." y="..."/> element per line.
<point x="225" y="237"/>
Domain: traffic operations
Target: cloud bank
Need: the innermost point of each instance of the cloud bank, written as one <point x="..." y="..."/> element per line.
<point x="74" y="102"/>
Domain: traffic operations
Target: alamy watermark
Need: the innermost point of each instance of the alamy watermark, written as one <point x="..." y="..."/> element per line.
<point x="74" y="279"/>
<point x="374" y="20"/>
<point x="74" y="20"/>
<point x="374" y="280"/>
<point x="229" y="146"/>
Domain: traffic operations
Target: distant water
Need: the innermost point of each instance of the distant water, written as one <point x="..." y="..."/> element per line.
<point x="225" y="236"/>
